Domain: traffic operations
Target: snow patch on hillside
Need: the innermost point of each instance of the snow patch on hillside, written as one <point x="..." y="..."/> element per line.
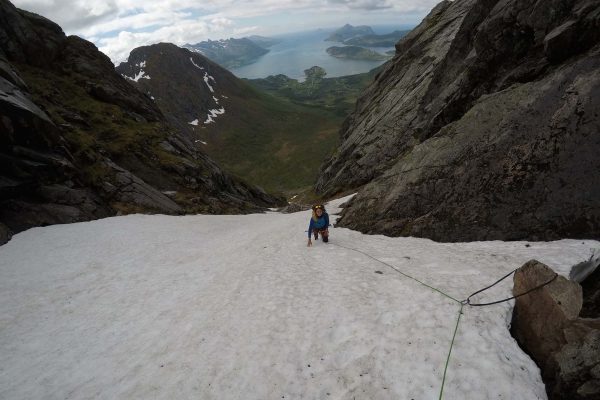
<point x="140" y="75"/>
<point x="237" y="307"/>
<point x="207" y="77"/>
<point x="194" y="122"/>
<point x="195" y="65"/>
<point x="213" y="114"/>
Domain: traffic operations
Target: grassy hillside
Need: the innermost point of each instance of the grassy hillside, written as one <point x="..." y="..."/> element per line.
<point x="285" y="129"/>
<point x="273" y="132"/>
<point x="272" y="141"/>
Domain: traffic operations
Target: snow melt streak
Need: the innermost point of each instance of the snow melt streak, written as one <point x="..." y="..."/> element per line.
<point x="213" y="114"/>
<point x="237" y="307"/>
<point x="195" y="65"/>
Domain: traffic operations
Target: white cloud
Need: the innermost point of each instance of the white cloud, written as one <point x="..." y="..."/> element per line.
<point x="364" y="4"/>
<point x="72" y="14"/>
<point x="118" y="26"/>
<point x="186" y="31"/>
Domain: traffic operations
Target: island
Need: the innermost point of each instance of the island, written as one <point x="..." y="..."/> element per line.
<point x="348" y="31"/>
<point x="356" y="53"/>
<point x="387" y="40"/>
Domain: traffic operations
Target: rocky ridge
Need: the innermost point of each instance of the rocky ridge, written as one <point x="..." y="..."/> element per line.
<point x="77" y="143"/>
<point x="483" y="126"/>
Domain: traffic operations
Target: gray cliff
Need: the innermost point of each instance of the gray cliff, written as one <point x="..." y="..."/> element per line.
<point x="485" y="125"/>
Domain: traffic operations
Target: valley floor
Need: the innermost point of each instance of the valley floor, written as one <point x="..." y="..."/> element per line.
<point x="237" y="307"/>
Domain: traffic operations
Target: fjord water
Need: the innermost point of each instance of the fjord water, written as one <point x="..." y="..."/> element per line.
<point x="301" y="50"/>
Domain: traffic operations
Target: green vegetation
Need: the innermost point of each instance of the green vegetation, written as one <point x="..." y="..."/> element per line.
<point x="337" y="95"/>
<point x="273" y="142"/>
<point x="284" y="129"/>
<point x="91" y="127"/>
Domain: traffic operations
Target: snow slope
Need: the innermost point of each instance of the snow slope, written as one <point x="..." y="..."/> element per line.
<point x="237" y="307"/>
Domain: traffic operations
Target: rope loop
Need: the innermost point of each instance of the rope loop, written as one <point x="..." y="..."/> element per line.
<point x="468" y="299"/>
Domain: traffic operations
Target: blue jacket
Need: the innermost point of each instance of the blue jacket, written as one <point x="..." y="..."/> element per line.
<point x="321" y="223"/>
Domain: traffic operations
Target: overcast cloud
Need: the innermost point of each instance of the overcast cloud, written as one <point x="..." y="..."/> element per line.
<point x="119" y="26"/>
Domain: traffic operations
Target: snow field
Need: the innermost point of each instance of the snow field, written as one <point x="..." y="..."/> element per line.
<point x="237" y="307"/>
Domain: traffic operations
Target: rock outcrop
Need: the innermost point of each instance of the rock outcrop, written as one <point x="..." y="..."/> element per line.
<point x="77" y="143"/>
<point x="483" y="126"/>
<point x="294" y="207"/>
<point x="548" y="326"/>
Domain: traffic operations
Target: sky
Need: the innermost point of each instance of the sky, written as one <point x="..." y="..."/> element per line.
<point x="119" y="26"/>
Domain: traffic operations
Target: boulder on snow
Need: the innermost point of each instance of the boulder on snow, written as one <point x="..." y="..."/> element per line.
<point x="294" y="207"/>
<point x="547" y="325"/>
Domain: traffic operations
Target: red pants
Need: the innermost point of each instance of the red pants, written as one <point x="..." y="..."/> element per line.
<point x="323" y="232"/>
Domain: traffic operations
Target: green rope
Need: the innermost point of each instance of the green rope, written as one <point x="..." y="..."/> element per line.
<point x="450" y="351"/>
<point x="430" y="287"/>
<point x="400" y="272"/>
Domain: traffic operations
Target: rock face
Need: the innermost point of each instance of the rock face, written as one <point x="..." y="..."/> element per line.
<point x="77" y="143"/>
<point x="294" y="207"/>
<point x="547" y="325"/>
<point x="483" y="126"/>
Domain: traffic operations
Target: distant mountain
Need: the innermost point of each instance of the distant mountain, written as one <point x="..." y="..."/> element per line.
<point x="78" y="142"/>
<point x="232" y="53"/>
<point x="267" y="140"/>
<point x="387" y="40"/>
<point x="264" y="41"/>
<point x="355" y="53"/>
<point x="348" y="31"/>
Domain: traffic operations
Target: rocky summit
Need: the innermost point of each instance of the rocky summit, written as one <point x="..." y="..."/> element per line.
<point x="485" y="125"/>
<point x="78" y="143"/>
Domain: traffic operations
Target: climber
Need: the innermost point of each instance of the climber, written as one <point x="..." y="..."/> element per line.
<point x="319" y="223"/>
